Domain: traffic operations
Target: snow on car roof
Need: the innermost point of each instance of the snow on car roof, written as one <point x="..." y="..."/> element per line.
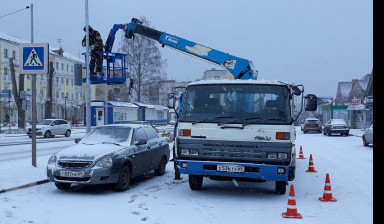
<point x="338" y="121"/>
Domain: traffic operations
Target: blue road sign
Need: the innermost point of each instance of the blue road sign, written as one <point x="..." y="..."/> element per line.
<point x="34" y="58"/>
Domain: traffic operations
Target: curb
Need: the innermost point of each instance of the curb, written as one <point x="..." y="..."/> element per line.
<point x="25" y="186"/>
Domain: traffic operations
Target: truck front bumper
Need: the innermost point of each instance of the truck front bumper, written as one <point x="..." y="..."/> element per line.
<point x="252" y="171"/>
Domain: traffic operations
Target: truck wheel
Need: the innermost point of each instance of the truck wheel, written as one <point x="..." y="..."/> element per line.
<point x="161" y="168"/>
<point x="124" y="181"/>
<point x="63" y="186"/>
<point x="281" y="187"/>
<point x="195" y="182"/>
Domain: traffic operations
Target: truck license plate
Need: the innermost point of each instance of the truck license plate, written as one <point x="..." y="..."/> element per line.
<point x="230" y="168"/>
<point x="71" y="174"/>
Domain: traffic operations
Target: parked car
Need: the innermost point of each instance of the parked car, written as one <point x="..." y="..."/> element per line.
<point x="51" y="127"/>
<point x="368" y="136"/>
<point x="336" y="126"/>
<point x="110" y="154"/>
<point x="312" y="124"/>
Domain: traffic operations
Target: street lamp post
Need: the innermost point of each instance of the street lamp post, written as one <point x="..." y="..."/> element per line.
<point x="65" y="107"/>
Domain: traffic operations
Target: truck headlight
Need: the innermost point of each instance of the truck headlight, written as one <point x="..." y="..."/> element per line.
<point x="52" y="160"/>
<point x="272" y="155"/>
<point x="282" y="155"/>
<point x="194" y="152"/>
<point x="184" y="151"/>
<point x="104" y="163"/>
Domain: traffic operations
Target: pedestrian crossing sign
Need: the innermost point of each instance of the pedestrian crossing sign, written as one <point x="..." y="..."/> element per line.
<point x="34" y="58"/>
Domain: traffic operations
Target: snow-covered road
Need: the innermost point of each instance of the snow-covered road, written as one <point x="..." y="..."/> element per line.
<point x="161" y="200"/>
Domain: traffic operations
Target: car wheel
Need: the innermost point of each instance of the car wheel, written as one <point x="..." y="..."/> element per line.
<point x="365" y="143"/>
<point x="47" y="134"/>
<point x="124" y="181"/>
<point x="195" y="182"/>
<point x="281" y="187"/>
<point x="68" y="133"/>
<point x="30" y="136"/>
<point x="63" y="186"/>
<point x="161" y="168"/>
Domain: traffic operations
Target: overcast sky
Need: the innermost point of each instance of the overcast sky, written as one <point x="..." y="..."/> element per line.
<point x="312" y="42"/>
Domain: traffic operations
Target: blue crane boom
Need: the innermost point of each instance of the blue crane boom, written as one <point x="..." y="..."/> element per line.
<point x="238" y="67"/>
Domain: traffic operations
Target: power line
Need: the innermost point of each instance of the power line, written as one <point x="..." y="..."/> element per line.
<point x="27" y="7"/>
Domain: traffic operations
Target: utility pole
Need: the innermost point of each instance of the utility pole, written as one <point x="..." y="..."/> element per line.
<point x="34" y="107"/>
<point x="88" y="88"/>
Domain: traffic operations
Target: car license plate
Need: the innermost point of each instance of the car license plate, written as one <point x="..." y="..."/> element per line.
<point x="230" y="168"/>
<point x="71" y="174"/>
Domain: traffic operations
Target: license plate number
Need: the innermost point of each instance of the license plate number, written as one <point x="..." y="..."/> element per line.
<point x="230" y="168"/>
<point x="71" y="174"/>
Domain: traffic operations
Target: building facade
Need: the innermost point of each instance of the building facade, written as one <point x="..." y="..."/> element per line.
<point x="65" y="95"/>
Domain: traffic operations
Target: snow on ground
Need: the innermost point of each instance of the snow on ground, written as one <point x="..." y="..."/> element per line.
<point x="162" y="200"/>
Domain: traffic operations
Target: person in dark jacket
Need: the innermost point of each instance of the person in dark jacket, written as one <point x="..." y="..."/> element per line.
<point x="96" y="46"/>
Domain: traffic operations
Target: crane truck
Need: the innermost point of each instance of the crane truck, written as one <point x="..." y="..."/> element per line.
<point x="237" y="129"/>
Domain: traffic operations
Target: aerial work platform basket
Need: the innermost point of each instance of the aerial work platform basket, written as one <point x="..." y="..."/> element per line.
<point x="112" y="70"/>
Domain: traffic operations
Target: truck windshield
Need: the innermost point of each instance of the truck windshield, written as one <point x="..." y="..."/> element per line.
<point x="237" y="104"/>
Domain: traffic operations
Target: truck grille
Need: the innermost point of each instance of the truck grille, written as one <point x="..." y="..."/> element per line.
<point x="74" y="164"/>
<point x="232" y="150"/>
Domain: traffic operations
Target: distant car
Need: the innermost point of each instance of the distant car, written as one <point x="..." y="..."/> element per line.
<point x="110" y="154"/>
<point x="336" y="126"/>
<point x="368" y="136"/>
<point x="51" y="127"/>
<point x="312" y="124"/>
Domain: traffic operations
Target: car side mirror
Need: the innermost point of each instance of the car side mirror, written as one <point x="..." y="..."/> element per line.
<point x="171" y="100"/>
<point x="77" y="140"/>
<point x="141" y="142"/>
<point x="310" y="102"/>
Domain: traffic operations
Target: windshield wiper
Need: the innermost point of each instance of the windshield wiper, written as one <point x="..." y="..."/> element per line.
<point x="111" y="143"/>
<point x="211" y="118"/>
<point x="242" y="119"/>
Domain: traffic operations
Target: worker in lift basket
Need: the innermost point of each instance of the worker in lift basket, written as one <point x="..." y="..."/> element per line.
<point x="96" y="47"/>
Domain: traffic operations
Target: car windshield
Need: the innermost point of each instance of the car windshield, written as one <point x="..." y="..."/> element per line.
<point x="237" y="104"/>
<point x="107" y="134"/>
<point x="45" y="122"/>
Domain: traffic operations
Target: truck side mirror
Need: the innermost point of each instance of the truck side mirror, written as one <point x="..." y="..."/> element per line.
<point x="310" y="102"/>
<point x="171" y="100"/>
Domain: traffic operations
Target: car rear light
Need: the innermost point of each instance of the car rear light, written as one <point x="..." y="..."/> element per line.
<point x="305" y="125"/>
<point x="331" y="127"/>
<point x="282" y="135"/>
<point x="185" y="132"/>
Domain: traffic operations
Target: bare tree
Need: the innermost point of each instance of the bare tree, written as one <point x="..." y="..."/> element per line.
<point x="16" y="96"/>
<point x="144" y="61"/>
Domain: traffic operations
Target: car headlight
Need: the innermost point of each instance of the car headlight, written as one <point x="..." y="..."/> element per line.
<point x="52" y="160"/>
<point x="104" y="163"/>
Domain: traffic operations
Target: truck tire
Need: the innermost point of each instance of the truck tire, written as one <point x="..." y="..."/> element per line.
<point x="195" y="182"/>
<point x="281" y="187"/>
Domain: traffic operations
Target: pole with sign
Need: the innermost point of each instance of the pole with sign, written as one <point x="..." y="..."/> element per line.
<point x="34" y="60"/>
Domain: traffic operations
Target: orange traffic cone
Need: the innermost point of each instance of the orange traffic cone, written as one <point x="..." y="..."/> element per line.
<point x="327" y="196"/>
<point x="311" y="168"/>
<point x="291" y="210"/>
<point x="301" y="155"/>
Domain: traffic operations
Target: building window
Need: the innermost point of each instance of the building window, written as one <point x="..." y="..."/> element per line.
<point x="57" y="65"/>
<point x="14" y="54"/>
<point x="5" y="53"/>
<point x="62" y="66"/>
<point x="5" y="71"/>
<point x="67" y="68"/>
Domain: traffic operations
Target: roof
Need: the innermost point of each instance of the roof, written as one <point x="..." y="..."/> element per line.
<point x="149" y="106"/>
<point x="66" y="55"/>
<point x="345" y="88"/>
<point x="13" y="39"/>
